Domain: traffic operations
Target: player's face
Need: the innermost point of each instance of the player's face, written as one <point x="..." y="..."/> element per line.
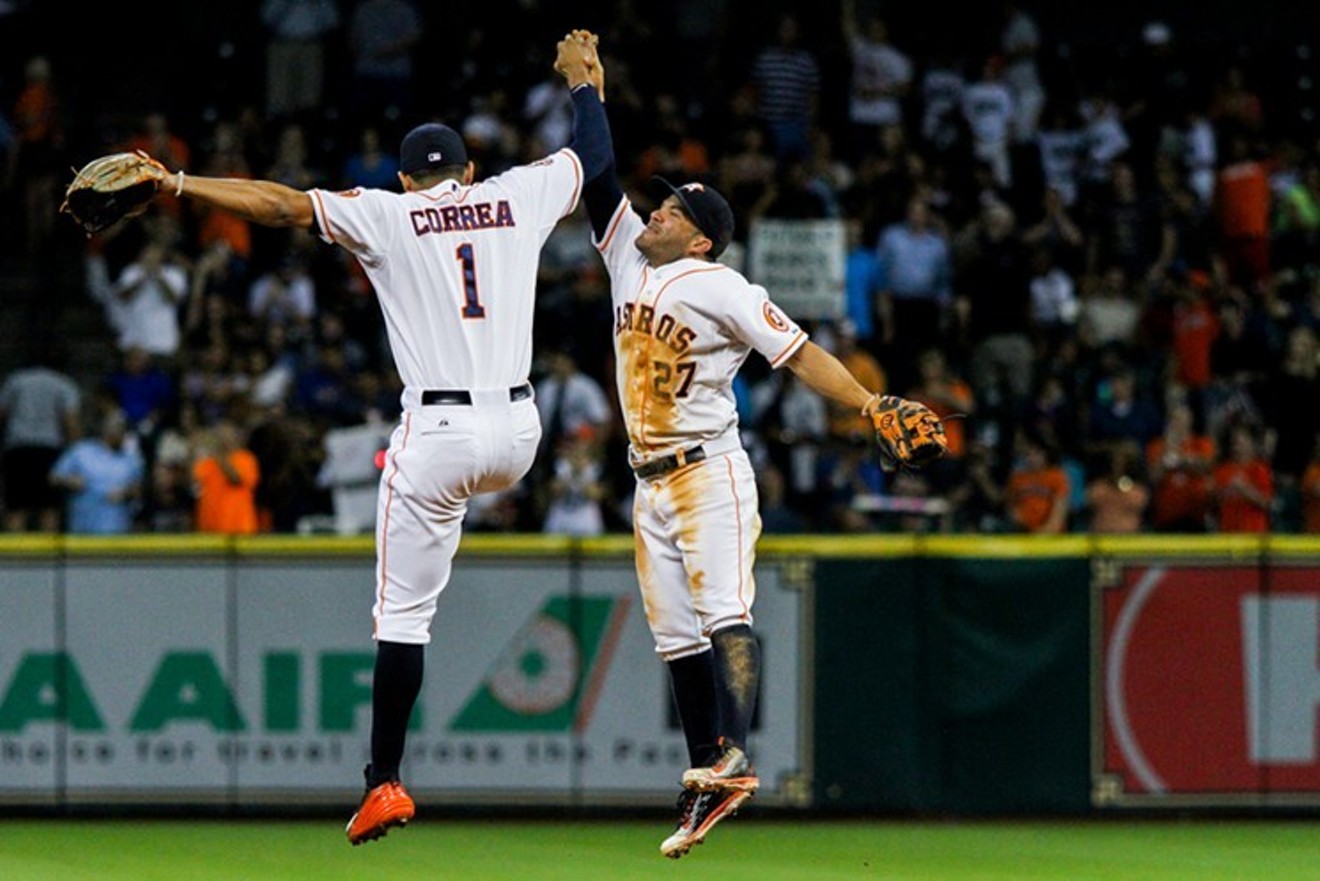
<point x="669" y="235"/>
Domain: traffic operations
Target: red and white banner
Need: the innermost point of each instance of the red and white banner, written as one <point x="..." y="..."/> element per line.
<point x="1208" y="685"/>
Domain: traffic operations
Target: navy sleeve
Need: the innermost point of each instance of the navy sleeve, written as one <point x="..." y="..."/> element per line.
<point x="594" y="147"/>
<point x="591" y="133"/>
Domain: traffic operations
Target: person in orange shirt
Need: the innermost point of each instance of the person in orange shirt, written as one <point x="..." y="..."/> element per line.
<point x="1242" y="203"/>
<point x="1179" y="462"/>
<point x="225" y="478"/>
<point x="39" y="157"/>
<point x="1244" y="484"/>
<point x="951" y="398"/>
<point x="1310" y="491"/>
<point x="1117" y="500"/>
<point x="1036" y="497"/>
<point x="1195" y="327"/>
<point x="155" y="138"/>
<point x="846" y="424"/>
<point x="226" y="159"/>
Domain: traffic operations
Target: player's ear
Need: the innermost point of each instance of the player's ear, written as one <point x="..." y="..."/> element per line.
<point x="699" y="246"/>
<point x="469" y="173"/>
<point x="405" y="181"/>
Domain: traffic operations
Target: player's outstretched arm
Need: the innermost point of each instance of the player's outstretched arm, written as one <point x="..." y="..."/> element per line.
<point x="266" y="203"/>
<point x="580" y="65"/>
<point x="826" y="375"/>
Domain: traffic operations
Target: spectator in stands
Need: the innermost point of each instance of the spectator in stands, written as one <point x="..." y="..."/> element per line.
<point x="879" y="81"/>
<point x="1110" y="311"/>
<point x="851" y="476"/>
<point x="916" y="288"/>
<point x="1122" y="413"/>
<point x="324" y="392"/>
<point x="994" y="310"/>
<point x="846" y="424"/>
<point x="1054" y="303"/>
<point x="226" y="158"/>
<point x="570" y="401"/>
<point x="1292" y="425"/>
<point x="978" y="502"/>
<point x="1020" y="43"/>
<point x="370" y="165"/>
<point x="1194" y="327"/>
<point x="990" y="112"/>
<point x="1179" y="462"/>
<point x="298" y="33"/>
<point x="382" y="37"/>
<point x="292" y="163"/>
<point x="1038" y="490"/>
<point x="158" y="139"/>
<point x="143" y="303"/>
<point x="1118" y="497"/>
<point x="577" y="487"/>
<point x="1310" y="491"/>
<point x="40" y="409"/>
<point x="942" y="127"/>
<point x="1242" y="207"/>
<point x="861" y="283"/>
<point x="793" y="424"/>
<point x="38" y="120"/>
<point x="786" y="80"/>
<point x="952" y="399"/>
<point x="225" y="475"/>
<point x="1244" y="483"/>
<point x="747" y="169"/>
<point x="103" y="477"/>
<point x="285" y="294"/>
<point x="777" y="516"/>
<point x="1055" y="230"/>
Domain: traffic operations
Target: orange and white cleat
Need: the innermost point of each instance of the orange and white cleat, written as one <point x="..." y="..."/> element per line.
<point x="699" y="812"/>
<point x="732" y="771"/>
<point x="383" y="807"/>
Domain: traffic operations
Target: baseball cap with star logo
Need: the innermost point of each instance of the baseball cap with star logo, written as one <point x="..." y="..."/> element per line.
<point x="707" y="208"/>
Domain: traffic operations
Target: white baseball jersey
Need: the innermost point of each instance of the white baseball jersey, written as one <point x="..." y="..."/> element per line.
<point x="681" y="332"/>
<point x="452" y="268"/>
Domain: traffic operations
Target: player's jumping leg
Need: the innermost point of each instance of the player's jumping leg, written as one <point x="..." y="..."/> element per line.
<point x="737" y="671"/>
<point x="396" y="682"/>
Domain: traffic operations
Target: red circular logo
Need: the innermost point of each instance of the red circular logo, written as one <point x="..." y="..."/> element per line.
<point x="775" y="318"/>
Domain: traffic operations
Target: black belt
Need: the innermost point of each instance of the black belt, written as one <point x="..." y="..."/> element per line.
<point x="666" y="464"/>
<point x="463" y="396"/>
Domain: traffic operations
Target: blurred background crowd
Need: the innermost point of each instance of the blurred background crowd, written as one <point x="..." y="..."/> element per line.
<point x="1085" y="236"/>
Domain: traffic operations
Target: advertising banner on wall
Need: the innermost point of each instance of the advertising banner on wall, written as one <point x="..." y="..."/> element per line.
<point x="1207" y="684"/>
<point x="247" y="681"/>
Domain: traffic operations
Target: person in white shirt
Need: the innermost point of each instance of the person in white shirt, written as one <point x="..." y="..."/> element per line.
<point x="453" y="262"/>
<point x="991" y="110"/>
<point x="880" y="81"/>
<point x="684" y="325"/>
<point x="142" y="304"/>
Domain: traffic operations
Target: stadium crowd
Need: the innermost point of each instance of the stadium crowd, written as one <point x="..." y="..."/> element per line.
<point x="1106" y="279"/>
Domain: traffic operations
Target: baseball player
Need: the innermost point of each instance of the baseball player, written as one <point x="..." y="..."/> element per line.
<point x="453" y="262"/>
<point x="684" y="324"/>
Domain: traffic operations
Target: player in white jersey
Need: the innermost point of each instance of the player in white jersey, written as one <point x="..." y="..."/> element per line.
<point x="683" y="326"/>
<point x="453" y="262"/>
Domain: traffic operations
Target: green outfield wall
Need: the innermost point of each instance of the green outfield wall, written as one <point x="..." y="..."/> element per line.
<point x="910" y="675"/>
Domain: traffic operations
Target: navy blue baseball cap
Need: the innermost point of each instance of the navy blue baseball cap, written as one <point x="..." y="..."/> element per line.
<point x="430" y="146"/>
<point x="707" y="208"/>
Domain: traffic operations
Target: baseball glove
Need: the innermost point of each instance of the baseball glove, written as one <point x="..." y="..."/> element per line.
<point x="110" y="188"/>
<point x="907" y="433"/>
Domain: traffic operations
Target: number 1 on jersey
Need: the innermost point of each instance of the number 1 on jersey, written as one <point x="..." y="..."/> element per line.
<point x="472" y="307"/>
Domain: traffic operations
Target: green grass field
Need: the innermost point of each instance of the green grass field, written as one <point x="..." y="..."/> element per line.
<point x="745" y="847"/>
